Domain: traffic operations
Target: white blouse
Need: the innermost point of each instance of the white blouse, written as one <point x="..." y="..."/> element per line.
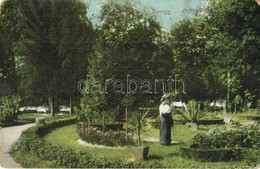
<point x="164" y="108"/>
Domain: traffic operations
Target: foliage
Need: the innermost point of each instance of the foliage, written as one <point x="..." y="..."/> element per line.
<point x="110" y="138"/>
<point x="129" y="43"/>
<point x="138" y="120"/>
<point x="246" y="137"/>
<point x="193" y="112"/>
<point x="188" y="39"/>
<point x="234" y="49"/>
<point x="50" y="49"/>
<point x="220" y="49"/>
<point x="213" y="155"/>
<point x="8" y="38"/>
<point x="9" y="110"/>
<point x="236" y="143"/>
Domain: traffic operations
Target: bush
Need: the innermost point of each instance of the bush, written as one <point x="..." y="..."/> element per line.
<point x="223" y="145"/>
<point x="9" y="110"/>
<point x="252" y="156"/>
<point x="244" y="137"/>
<point x="212" y="155"/>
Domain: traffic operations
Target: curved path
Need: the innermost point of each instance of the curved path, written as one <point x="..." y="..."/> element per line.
<point x="8" y="136"/>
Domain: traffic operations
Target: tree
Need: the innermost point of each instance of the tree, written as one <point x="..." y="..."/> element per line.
<point x="130" y="46"/>
<point x="237" y="25"/>
<point x="55" y="44"/>
<point x="8" y="38"/>
<point x="188" y="40"/>
<point x="217" y="54"/>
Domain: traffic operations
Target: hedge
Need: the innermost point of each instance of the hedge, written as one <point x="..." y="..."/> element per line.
<point x="41" y="130"/>
<point x="239" y="142"/>
<point x="212" y="155"/>
<point x="221" y="154"/>
<point x="201" y="122"/>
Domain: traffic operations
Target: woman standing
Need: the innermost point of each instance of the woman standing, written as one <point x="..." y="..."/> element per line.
<point x="165" y="120"/>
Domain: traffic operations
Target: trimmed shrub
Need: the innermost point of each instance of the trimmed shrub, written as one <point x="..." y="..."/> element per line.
<point x="252" y="156"/>
<point x="41" y="130"/>
<point x="243" y="137"/>
<point x="212" y="155"/>
<point x="222" y="145"/>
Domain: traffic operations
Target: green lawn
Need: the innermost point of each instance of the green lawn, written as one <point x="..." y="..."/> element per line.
<point x="165" y="156"/>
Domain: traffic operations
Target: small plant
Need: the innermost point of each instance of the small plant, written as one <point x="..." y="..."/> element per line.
<point x="193" y="112"/>
<point x="138" y="121"/>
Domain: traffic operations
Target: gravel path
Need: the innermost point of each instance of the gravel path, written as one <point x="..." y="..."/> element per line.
<point x="8" y="136"/>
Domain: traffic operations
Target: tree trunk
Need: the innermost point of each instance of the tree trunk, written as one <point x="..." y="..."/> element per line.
<point x="126" y="122"/>
<point x="70" y="106"/>
<point x="51" y="106"/>
<point x="103" y="122"/>
<point x="139" y="136"/>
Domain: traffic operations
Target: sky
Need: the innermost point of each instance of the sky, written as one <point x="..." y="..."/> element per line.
<point x="168" y="12"/>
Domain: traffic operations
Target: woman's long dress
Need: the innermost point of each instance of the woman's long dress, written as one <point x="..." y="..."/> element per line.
<point x="165" y="129"/>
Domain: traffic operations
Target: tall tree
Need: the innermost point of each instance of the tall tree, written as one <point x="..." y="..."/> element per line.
<point x="238" y="34"/>
<point x="188" y="39"/>
<point x="130" y="44"/>
<point x="55" y="45"/>
<point x="8" y="38"/>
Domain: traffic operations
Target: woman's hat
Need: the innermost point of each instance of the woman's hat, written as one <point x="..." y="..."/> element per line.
<point x="164" y="97"/>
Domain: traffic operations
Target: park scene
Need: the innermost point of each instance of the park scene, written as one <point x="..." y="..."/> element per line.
<point x="130" y="84"/>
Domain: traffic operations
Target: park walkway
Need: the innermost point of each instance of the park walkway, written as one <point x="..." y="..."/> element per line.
<point x="8" y="136"/>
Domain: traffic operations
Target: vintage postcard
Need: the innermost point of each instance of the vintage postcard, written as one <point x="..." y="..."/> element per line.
<point x="129" y="84"/>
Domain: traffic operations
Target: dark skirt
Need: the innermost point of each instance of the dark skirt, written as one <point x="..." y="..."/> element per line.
<point x="165" y="130"/>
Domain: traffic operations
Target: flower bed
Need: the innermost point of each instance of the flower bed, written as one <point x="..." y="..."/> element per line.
<point x="94" y="135"/>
